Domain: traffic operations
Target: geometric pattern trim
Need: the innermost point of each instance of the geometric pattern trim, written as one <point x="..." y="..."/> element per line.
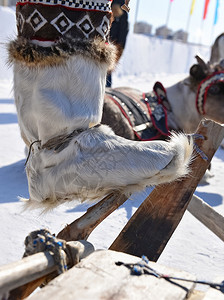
<point x="86" y="26"/>
<point x="20" y="21"/>
<point x="98" y="5"/>
<point x="104" y="27"/>
<point x="48" y="23"/>
<point x="36" y="20"/>
<point x="62" y="23"/>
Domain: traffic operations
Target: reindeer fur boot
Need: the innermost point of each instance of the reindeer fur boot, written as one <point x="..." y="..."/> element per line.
<point x="61" y="57"/>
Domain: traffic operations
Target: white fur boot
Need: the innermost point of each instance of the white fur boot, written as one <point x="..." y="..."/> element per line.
<point x="60" y="63"/>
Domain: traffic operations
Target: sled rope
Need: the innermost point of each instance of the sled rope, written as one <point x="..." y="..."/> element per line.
<point x="42" y="240"/>
<point x="142" y="267"/>
<point x="196" y="148"/>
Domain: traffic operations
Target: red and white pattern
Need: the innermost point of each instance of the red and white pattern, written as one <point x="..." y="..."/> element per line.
<point x="98" y="5"/>
<point x="203" y="88"/>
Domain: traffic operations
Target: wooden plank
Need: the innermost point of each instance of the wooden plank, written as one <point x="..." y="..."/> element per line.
<point x="81" y="228"/>
<point x="207" y="216"/>
<point x="196" y="295"/>
<point x="98" y="277"/>
<point x="152" y="225"/>
<point x="27" y="269"/>
<point x="35" y="269"/>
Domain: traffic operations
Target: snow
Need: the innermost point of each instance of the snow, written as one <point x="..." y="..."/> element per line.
<point x="192" y="248"/>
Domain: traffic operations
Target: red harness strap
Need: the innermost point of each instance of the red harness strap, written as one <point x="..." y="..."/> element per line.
<point x="149" y="110"/>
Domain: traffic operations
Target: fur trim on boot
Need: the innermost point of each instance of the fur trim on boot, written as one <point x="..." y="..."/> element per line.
<point x="32" y="55"/>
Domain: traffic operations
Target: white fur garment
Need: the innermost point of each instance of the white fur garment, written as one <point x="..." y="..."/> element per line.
<point x="97" y="162"/>
<point x="56" y="100"/>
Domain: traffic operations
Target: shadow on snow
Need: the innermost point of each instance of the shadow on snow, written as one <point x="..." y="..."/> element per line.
<point x="13" y="182"/>
<point x="136" y="200"/>
<point x="8" y="118"/>
<point x="220" y="153"/>
<point x="133" y="202"/>
<point x="6" y="101"/>
<point x="210" y="198"/>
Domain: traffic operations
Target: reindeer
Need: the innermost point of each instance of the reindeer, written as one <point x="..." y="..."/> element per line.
<point x="133" y="114"/>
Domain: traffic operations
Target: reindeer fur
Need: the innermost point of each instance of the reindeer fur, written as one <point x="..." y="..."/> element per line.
<point x="54" y="98"/>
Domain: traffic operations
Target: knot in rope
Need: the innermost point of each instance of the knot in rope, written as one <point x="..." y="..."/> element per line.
<point x="143" y="267"/>
<point x="197" y="136"/>
<point x="42" y="240"/>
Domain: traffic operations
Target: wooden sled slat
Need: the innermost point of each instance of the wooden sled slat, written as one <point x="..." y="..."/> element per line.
<point x="207" y="216"/>
<point x="152" y="225"/>
<point x="80" y="229"/>
<point x="38" y="266"/>
<point x="98" y="277"/>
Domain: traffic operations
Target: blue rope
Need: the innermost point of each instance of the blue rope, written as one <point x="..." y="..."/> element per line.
<point x="142" y="267"/>
<point x="197" y="136"/>
<point x="42" y="240"/>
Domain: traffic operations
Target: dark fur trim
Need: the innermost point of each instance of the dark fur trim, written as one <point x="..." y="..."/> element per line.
<point x="22" y="50"/>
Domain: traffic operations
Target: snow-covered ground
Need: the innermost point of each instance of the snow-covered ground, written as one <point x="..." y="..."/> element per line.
<point x="192" y="248"/>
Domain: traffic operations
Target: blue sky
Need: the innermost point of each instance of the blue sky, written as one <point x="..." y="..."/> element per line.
<point x="155" y="13"/>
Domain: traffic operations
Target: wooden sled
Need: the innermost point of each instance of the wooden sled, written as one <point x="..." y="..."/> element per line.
<point x="99" y="276"/>
<point x="152" y="225"/>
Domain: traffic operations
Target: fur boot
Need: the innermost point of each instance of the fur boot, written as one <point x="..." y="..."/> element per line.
<point x="61" y="58"/>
